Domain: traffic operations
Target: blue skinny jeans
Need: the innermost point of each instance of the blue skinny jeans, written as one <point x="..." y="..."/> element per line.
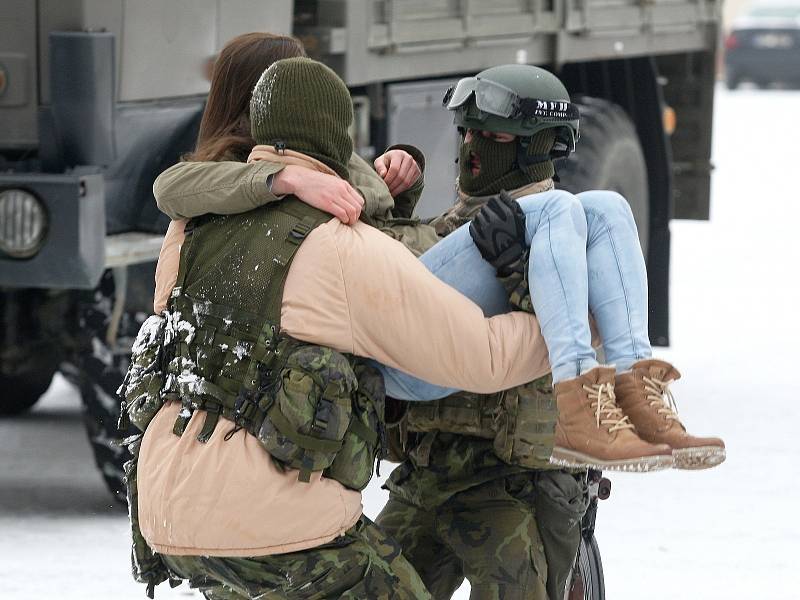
<point x="585" y="256"/>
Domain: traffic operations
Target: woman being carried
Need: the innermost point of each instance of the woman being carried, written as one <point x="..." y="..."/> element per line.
<point x="514" y="151"/>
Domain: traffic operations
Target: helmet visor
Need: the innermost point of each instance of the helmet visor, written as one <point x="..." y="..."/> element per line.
<point x="490" y="97"/>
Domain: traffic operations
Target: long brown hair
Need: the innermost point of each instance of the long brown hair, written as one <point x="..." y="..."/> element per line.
<point x="225" y="126"/>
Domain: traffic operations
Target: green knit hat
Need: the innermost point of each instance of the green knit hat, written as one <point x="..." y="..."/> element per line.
<point x="306" y="106"/>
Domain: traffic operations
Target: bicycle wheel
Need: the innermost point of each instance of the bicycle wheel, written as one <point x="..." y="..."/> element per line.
<point x="586" y="582"/>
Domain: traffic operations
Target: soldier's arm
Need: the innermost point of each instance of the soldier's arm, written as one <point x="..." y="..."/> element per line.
<point x="378" y="202"/>
<point x="464" y="209"/>
<point x="406" y="201"/>
<point x="191" y="189"/>
<point x="372" y="298"/>
<point x="380" y="205"/>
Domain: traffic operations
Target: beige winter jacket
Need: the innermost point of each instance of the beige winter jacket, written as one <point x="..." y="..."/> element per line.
<point x="356" y="290"/>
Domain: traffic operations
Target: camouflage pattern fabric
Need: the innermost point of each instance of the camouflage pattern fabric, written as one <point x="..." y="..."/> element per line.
<point x="429" y="506"/>
<point x="147" y="566"/>
<point x="466" y="207"/>
<point x="487" y="534"/>
<point x="363" y="564"/>
<point x="520" y="420"/>
<point x="314" y="401"/>
<point x="141" y="388"/>
<point x="365" y="439"/>
<point x="460" y="511"/>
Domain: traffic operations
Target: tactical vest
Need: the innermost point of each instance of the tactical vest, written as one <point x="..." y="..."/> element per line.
<point x="220" y="348"/>
<point x="519" y="421"/>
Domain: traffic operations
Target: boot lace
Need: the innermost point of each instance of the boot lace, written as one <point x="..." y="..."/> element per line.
<point x="660" y="396"/>
<point x="606" y="410"/>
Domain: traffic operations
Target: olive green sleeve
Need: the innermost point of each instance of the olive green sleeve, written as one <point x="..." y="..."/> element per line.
<point x="378" y="202"/>
<point x="406" y="201"/>
<point x="191" y="189"/>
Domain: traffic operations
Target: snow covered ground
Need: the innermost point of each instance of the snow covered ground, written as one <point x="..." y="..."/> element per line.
<point x="726" y="533"/>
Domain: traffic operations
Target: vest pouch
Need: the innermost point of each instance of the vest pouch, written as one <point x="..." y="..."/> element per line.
<point x="525" y="428"/>
<point x="141" y="388"/>
<point x="146" y="565"/>
<point x="396" y="423"/>
<point x="364" y="441"/>
<point x="305" y="424"/>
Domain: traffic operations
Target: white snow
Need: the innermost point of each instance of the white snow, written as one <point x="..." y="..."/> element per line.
<point x="240" y="350"/>
<point x="728" y="533"/>
<point x="148" y="333"/>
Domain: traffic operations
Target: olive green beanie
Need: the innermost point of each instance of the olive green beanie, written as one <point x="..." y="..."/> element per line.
<point x="304" y="105"/>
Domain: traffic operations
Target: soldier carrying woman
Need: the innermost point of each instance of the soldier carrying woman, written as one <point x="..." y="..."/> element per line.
<point x="262" y="303"/>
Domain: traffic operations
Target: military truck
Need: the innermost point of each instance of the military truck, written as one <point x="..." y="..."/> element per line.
<point x="98" y="96"/>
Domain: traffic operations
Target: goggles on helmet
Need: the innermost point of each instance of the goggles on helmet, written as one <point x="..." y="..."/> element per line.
<point x="497" y="99"/>
<point x="490" y="97"/>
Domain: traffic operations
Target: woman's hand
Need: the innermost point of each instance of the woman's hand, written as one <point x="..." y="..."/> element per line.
<point x="398" y="169"/>
<point x="325" y="192"/>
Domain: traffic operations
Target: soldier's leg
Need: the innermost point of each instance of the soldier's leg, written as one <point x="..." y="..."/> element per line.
<point x="364" y="563"/>
<point x="205" y="575"/>
<point x="561" y="500"/>
<point x="415" y="531"/>
<point x="389" y="574"/>
<point x="496" y="536"/>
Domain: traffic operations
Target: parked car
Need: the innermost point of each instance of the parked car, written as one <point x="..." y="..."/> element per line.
<point x="763" y="47"/>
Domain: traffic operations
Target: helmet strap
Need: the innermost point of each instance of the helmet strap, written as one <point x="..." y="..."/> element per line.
<point x="523" y="158"/>
<point x="533" y="155"/>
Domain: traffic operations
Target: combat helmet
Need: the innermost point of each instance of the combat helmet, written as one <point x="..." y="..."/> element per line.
<point x="518" y="99"/>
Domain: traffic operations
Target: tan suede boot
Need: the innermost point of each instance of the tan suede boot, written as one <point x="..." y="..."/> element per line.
<point x="643" y="394"/>
<point x="593" y="432"/>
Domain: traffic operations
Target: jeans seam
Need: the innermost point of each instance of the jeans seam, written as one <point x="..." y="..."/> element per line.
<point x="546" y="217"/>
<point x="601" y="217"/>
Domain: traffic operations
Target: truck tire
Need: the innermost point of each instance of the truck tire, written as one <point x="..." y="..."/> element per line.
<point x="100" y="368"/>
<point x="21" y="392"/>
<point x="608" y="156"/>
<point x="587" y="582"/>
<point x="32" y="334"/>
<point x="101" y="413"/>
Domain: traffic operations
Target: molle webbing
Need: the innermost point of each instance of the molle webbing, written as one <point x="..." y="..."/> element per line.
<point x="226" y="357"/>
<point x="520" y="421"/>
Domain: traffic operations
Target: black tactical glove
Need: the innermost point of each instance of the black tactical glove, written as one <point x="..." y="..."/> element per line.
<point x="498" y="231"/>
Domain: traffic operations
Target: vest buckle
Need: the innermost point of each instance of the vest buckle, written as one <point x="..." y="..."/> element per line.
<point x="299" y="232"/>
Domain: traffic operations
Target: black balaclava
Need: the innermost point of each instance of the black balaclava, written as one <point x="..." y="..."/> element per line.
<point x="498" y="164"/>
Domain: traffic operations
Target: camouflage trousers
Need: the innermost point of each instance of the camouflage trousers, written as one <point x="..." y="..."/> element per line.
<point x="513" y="536"/>
<point x="364" y="563"/>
